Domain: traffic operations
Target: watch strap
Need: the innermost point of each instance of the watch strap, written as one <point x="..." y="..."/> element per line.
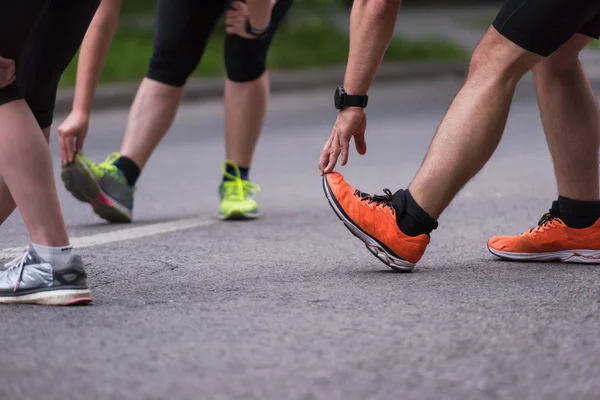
<point x="356" y="101"/>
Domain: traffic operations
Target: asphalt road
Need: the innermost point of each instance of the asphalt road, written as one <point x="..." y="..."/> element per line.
<point x="291" y="306"/>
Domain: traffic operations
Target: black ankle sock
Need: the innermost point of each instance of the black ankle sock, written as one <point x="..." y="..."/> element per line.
<point x="577" y="213"/>
<point x="244" y="172"/>
<point x="410" y="217"/>
<point x="129" y="169"/>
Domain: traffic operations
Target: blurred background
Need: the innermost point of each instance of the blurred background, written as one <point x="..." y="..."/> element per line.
<point x="314" y="35"/>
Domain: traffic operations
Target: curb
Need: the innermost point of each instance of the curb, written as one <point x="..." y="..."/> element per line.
<point x="122" y="95"/>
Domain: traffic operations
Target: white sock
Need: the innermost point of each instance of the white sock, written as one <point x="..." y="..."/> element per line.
<point x="56" y="256"/>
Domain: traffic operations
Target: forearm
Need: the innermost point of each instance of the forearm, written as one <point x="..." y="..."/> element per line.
<point x="372" y="25"/>
<point x="259" y="12"/>
<point x="93" y="53"/>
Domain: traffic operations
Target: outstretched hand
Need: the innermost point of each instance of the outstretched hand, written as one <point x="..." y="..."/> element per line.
<point x="350" y="123"/>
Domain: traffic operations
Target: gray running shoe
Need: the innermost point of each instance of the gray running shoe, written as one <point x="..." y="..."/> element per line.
<point x="102" y="185"/>
<point x="30" y="280"/>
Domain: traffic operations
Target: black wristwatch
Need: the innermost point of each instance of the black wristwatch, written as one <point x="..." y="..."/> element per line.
<point x="342" y="99"/>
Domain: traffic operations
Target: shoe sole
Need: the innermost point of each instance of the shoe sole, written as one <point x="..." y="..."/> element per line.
<point x="238" y="216"/>
<point x="567" y="256"/>
<point x="82" y="184"/>
<point x="372" y="244"/>
<point x="59" y="297"/>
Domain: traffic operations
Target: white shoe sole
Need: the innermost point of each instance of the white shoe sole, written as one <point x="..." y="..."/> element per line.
<point x="58" y="297"/>
<point x="376" y="248"/>
<point x="569" y="256"/>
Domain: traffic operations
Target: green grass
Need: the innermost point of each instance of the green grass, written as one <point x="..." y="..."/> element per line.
<point x="312" y="42"/>
<point x="482" y="22"/>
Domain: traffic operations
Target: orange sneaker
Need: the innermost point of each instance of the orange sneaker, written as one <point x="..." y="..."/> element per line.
<point x="551" y="240"/>
<point x="372" y="219"/>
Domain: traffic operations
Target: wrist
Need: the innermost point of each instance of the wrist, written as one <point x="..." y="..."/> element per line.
<point x="344" y="99"/>
<point x="81" y="112"/>
<point x="355" y="88"/>
<point x="254" y="31"/>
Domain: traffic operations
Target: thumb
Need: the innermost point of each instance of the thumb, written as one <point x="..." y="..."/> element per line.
<point x="361" y="144"/>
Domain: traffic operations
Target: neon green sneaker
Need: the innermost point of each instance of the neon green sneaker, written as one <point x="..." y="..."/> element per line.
<point x="236" y="196"/>
<point x="102" y="185"/>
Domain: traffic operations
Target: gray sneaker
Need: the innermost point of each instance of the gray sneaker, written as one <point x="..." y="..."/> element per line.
<point x="30" y="280"/>
<point x="102" y="185"/>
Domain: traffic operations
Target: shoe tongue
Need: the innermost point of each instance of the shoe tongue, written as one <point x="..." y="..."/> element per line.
<point x="33" y="255"/>
<point x="555" y="210"/>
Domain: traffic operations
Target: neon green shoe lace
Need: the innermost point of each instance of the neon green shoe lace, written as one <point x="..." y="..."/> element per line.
<point x="107" y="167"/>
<point x="237" y="189"/>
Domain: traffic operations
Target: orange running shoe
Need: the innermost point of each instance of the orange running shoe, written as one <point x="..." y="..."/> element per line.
<point x="372" y="219"/>
<point x="551" y="240"/>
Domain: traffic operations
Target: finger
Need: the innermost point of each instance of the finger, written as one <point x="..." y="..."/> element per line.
<point x="324" y="157"/>
<point x="6" y="63"/>
<point x="70" y="145"/>
<point x="361" y="144"/>
<point x="236" y="5"/>
<point x="63" y="150"/>
<point x="332" y="160"/>
<point x="79" y="144"/>
<point x="11" y="81"/>
<point x="323" y="161"/>
<point x="334" y="154"/>
<point x="344" y="146"/>
<point x="230" y="30"/>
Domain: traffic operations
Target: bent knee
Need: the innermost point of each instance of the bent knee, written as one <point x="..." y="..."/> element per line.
<point x="497" y="57"/>
<point x="245" y="59"/>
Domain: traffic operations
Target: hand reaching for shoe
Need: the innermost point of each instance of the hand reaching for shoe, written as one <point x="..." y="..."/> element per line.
<point x="350" y="123"/>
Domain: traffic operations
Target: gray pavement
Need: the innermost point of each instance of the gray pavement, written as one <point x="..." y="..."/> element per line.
<point x="291" y="306"/>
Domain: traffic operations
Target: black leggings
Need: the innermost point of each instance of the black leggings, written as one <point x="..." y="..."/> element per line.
<point x="42" y="36"/>
<point x="183" y="28"/>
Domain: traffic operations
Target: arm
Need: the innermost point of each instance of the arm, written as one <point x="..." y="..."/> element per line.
<point x="93" y="53"/>
<point x="372" y="25"/>
<point x="102" y="29"/>
<point x="259" y="13"/>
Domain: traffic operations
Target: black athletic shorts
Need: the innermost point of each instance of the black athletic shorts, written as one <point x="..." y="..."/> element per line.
<point x="42" y="36"/>
<point x="543" y="26"/>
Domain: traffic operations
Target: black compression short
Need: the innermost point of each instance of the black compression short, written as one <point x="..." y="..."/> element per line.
<point x="543" y="26"/>
<point x="42" y="36"/>
<point x="183" y="28"/>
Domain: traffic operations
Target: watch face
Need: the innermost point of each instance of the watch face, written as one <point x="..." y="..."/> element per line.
<point x="338" y="98"/>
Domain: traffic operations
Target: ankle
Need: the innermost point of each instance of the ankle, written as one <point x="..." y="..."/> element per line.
<point x="57" y="256"/>
<point x="578" y="214"/>
<point x="129" y="168"/>
<point x="411" y="219"/>
<point x="232" y="172"/>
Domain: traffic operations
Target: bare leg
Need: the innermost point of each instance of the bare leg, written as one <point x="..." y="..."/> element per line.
<point x="245" y="108"/>
<point x="571" y="119"/>
<point x="29" y="178"/>
<point x="150" y="117"/>
<point x="474" y="124"/>
<point x="7" y="204"/>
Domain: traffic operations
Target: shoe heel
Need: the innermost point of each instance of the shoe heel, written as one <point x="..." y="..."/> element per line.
<point x="80" y="182"/>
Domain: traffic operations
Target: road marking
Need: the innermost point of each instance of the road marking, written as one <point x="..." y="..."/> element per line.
<point x="125" y="234"/>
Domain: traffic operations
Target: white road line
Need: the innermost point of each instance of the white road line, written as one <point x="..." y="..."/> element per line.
<point x="125" y="234"/>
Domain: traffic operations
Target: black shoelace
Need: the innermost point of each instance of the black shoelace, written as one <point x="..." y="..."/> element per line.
<point x="381" y="200"/>
<point x="546" y="219"/>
